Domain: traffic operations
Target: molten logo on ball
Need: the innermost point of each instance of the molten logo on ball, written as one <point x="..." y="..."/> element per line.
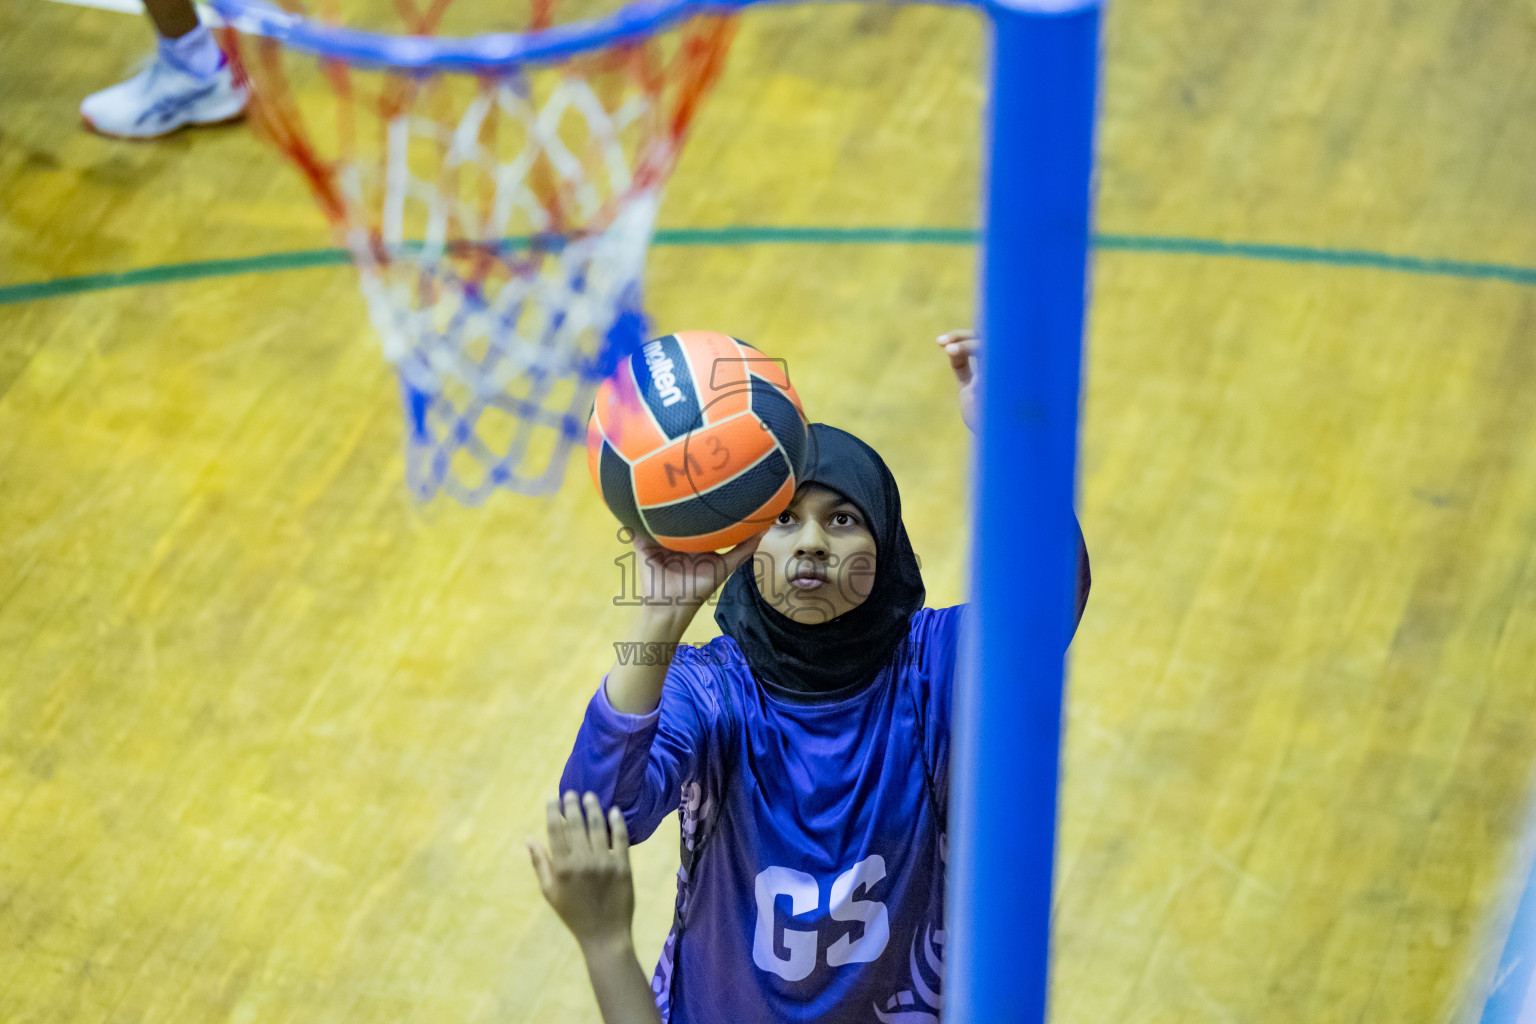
<point x="661" y="373"/>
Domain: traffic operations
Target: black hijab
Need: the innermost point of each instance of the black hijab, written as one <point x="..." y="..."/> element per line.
<point x="829" y="660"/>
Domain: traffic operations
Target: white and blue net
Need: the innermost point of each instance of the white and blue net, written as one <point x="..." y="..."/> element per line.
<point x="498" y="210"/>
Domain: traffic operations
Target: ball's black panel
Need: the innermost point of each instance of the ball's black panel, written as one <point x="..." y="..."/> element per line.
<point x="757" y="361"/>
<point x="724" y="505"/>
<point x="619" y="488"/>
<point x="782" y="419"/>
<point x="666" y="383"/>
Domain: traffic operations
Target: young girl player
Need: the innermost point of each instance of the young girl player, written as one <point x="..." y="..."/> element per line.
<point x="807" y="750"/>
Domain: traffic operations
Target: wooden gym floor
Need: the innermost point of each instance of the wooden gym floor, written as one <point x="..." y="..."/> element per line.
<point x="271" y="735"/>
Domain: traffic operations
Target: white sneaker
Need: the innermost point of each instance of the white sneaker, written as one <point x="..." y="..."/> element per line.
<point x="162" y="98"/>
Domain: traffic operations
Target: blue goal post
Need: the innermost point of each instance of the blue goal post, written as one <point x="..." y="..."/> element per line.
<point x="1006" y="749"/>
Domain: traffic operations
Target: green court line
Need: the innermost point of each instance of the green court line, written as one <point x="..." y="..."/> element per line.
<point x="765" y="235"/>
<point x="1310" y="254"/>
<point x="166" y="273"/>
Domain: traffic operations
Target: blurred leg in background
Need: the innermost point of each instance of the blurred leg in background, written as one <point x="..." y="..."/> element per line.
<point x="190" y="82"/>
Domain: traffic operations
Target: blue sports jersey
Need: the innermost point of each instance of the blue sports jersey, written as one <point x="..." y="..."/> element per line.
<point x="812" y="886"/>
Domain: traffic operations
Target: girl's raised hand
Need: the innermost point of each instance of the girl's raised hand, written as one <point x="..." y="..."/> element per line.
<point x="963" y="348"/>
<point x="679" y="578"/>
<point x="584" y="872"/>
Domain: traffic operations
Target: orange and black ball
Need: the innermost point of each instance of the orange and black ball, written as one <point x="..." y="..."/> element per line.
<point x="697" y="440"/>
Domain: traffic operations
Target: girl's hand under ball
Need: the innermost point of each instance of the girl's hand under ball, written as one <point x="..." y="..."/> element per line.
<point x="680" y="578"/>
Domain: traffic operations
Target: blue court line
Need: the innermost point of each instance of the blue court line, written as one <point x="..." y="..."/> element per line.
<point x="1512" y="983"/>
<point x="767" y="235"/>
